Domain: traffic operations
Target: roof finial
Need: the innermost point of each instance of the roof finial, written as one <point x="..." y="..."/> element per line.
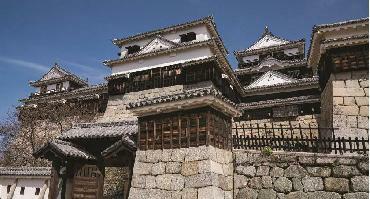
<point x="266" y="31"/>
<point x="56" y="64"/>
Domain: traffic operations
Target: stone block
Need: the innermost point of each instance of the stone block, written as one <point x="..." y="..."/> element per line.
<point x="210" y="193"/>
<point x="363" y="122"/>
<point x="142" y="168"/>
<point x="345" y="171"/>
<point x="348" y="92"/>
<point x="347" y="161"/>
<point x="225" y="182"/>
<point x="158" y="194"/>
<point x="349" y="101"/>
<point x="277" y="172"/>
<point x="297" y="184"/>
<point x="158" y="168"/>
<point x="178" y="155"/>
<point x="138" y="181"/>
<point x="172" y="182"/>
<point x="150" y="182"/>
<point x="228" y="194"/>
<point x="240" y="181"/>
<point x="323" y="195"/>
<point x="266" y="194"/>
<point x="189" y="193"/>
<point x="338" y="101"/>
<point x="189" y="168"/>
<point x="352" y="121"/>
<point x="166" y="155"/>
<point x="312" y="184"/>
<point x="363" y="166"/>
<point x="228" y="169"/>
<point x="247" y="193"/>
<point x="201" y="180"/>
<point x="340" y="185"/>
<point x="283" y="184"/>
<point x="173" y="167"/>
<point x="362" y="101"/>
<point x="197" y="153"/>
<point x="249" y="171"/>
<point x="364" y="111"/>
<point x="360" y="183"/>
<point x="353" y="83"/>
<point x="338" y="84"/>
<point x="319" y="171"/>
<point x="325" y="161"/>
<point x="296" y="195"/>
<point x="263" y="171"/>
<point x="153" y="155"/>
<point x="345" y="110"/>
<point x="306" y="160"/>
<point x="366" y="90"/>
<point x="364" y="83"/>
<point x="339" y="121"/>
<point x="206" y="166"/>
<point x="140" y="156"/>
<point x="280" y="196"/>
<point x="255" y="183"/>
<point x="266" y="181"/>
<point x="137" y="193"/>
<point x="359" y="195"/>
<point x="295" y="171"/>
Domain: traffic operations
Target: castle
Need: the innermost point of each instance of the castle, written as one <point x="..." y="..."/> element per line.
<point x="173" y="108"/>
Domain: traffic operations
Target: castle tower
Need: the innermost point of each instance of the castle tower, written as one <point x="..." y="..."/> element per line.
<point x="178" y="83"/>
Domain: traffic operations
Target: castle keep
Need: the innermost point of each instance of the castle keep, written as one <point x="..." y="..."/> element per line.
<point x="174" y="119"/>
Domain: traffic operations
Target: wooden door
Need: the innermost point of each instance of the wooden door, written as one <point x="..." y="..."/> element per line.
<point x="86" y="183"/>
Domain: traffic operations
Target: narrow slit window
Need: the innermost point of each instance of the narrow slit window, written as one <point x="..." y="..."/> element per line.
<point x="37" y="192"/>
<point x="8" y="188"/>
<point x="22" y="191"/>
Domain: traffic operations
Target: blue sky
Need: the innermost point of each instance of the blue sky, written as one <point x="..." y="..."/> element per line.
<point x="78" y="33"/>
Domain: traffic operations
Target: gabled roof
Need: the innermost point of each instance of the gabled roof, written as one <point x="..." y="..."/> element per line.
<point x="100" y="130"/>
<point x="271" y="63"/>
<point x="209" y="21"/>
<point x="63" y="149"/>
<point x="271" y="78"/>
<point x="125" y="143"/>
<point x="25" y="171"/>
<point x="267" y="39"/>
<point x="57" y="73"/>
<point x="156" y="44"/>
<point x="279" y="102"/>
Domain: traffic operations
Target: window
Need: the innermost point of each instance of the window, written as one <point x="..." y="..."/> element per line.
<point x="37" y="192"/>
<point x="190" y="36"/>
<point x="132" y="49"/>
<point x="43" y="89"/>
<point x="59" y="86"/>
<point x="8" y="188"/>
<point x="22" y="191"/>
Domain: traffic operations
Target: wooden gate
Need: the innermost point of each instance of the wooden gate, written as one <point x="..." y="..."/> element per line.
<point x="87" y="183"/>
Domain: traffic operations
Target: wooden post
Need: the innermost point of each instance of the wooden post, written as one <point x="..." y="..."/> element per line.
<point x="147" y="136"/>
<point x="179" y="128"/>
<point x="197" y="124"/>
<point x="154" y="134"/>
<point x="207" y="129"/>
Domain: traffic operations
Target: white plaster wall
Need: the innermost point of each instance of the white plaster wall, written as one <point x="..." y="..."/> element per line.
<point x="30" y="185"/>
<point x="250" y="58"/>
<point x="51" y="87"/>
<point x="201" y="32"/>
<point x="163" y="60"/>
<point x="291" y="51"/>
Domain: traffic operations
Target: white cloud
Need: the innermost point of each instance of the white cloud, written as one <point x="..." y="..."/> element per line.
<point x="24" y="64"/>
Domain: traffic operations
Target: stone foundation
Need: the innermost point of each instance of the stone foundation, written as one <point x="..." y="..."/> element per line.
<point x="300" y="175"/>
<point x="345" y="104"/>
<point x="196" y="172"/>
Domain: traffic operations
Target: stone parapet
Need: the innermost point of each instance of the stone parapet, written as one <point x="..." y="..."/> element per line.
<point x="195" y="172"/>
<point x="299" y="175"/>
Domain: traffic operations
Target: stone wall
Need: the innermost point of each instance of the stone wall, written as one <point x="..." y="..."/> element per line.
<point x="187" y="173"/>
<point x="300" y="175"/>
<point x="345" y="103"/>
<point x="303" y="120"/>
<point x="116" y="108"/>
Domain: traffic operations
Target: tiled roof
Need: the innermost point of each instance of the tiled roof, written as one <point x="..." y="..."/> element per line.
<point x="100" y="130"/>
<point x="279" y="102"/>
<point x="193" y="93"/>
<point x="298" y="83"/>
<point x="206" y="20"/>
<point x="64" y="148"/>
<point x="173" y="48"/>
<point x="65" y="74"/>
<point x="25" y="171"/>
<point x="125" y="142"/>
<point x="271" y="62"/>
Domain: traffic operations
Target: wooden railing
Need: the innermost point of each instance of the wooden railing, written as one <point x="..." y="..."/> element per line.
<point x="257" y="138"/>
